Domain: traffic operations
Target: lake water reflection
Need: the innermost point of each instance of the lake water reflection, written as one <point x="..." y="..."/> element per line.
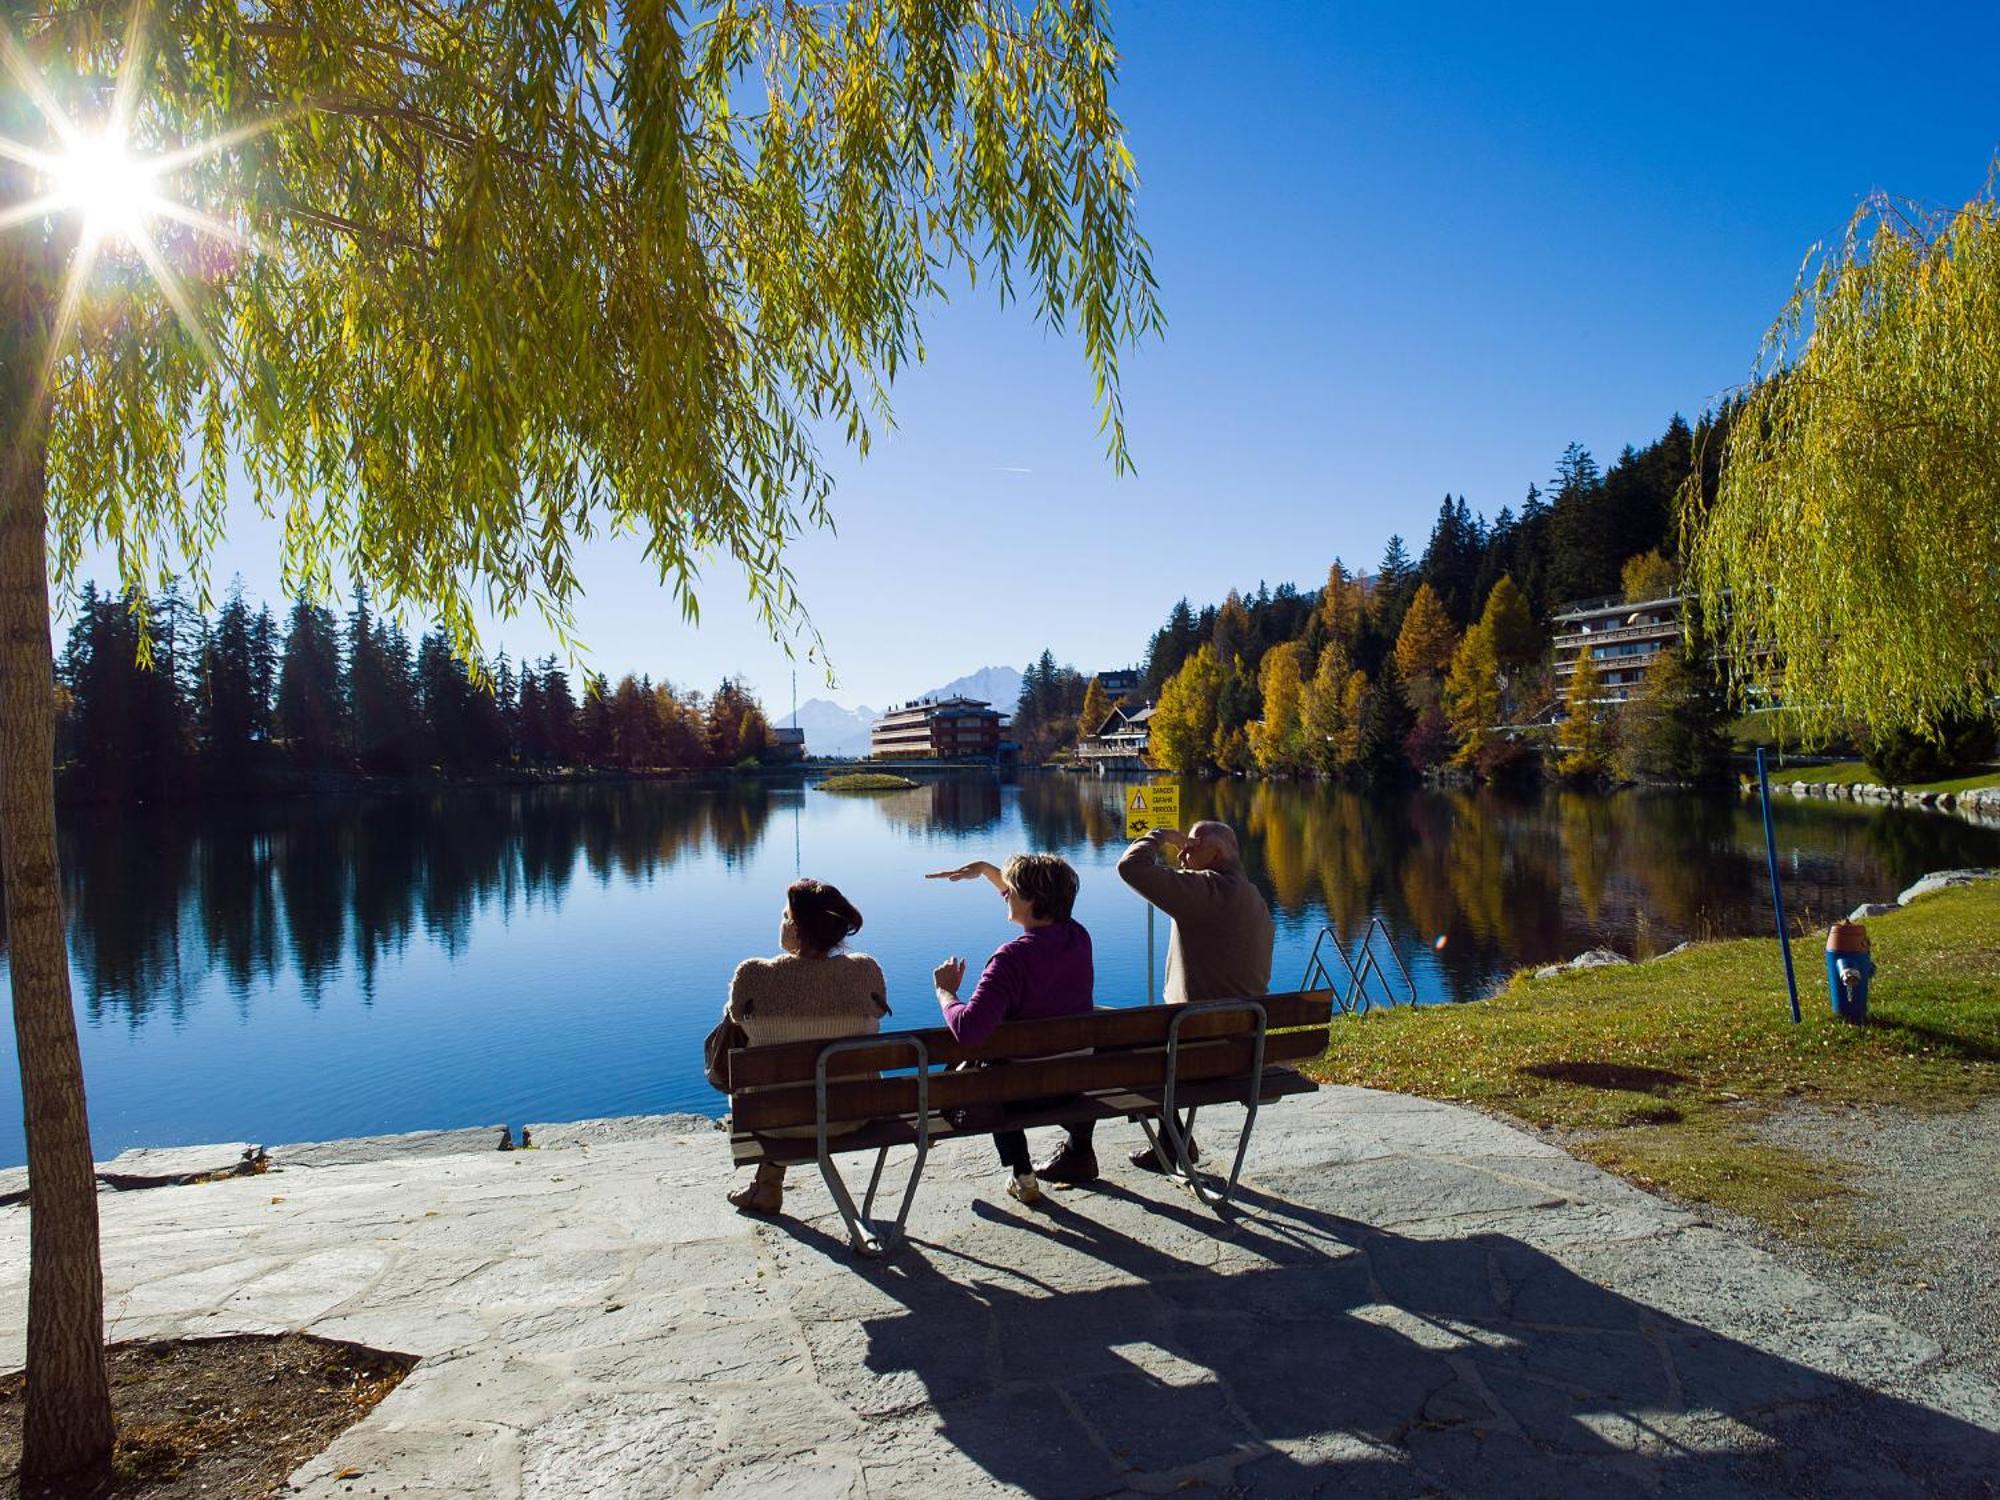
<point x="353" y="966"/>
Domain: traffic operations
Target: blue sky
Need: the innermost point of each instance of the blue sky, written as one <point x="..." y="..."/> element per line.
<point x="1403" y="251"/>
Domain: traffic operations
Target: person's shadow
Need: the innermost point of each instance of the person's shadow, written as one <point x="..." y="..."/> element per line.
<point x="1312" y="1354"/>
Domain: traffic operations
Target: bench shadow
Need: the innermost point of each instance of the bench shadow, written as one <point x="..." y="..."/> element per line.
<point x="1315" y="1354"/>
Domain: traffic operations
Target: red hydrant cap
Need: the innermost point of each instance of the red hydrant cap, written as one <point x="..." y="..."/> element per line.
<point x="1847" y="937"/>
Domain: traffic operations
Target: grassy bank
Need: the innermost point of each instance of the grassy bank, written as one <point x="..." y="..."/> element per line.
<point x="1661" y="1071"/>
<point x="866" y="781"/>
<point x="1855" y="773"/>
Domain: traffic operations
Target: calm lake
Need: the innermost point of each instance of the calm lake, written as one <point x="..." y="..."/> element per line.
<point x="353" y="967"/>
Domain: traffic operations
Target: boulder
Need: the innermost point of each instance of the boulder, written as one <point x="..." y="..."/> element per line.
<point x="1596" y="958"/>
<point x="1869" y="909"/>
<point x="1944" y="880"/>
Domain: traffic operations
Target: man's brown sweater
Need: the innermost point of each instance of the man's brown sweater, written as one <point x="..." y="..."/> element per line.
<point x="1221" y="943"/>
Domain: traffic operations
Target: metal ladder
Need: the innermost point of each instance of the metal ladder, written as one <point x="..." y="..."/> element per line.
<point x="1356" y="999"/>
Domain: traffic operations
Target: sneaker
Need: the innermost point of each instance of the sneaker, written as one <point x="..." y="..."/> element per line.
<point x="1068" y="1165"/>
<point x="1024" y="1188"/>
<point x="1146" y="1159"/>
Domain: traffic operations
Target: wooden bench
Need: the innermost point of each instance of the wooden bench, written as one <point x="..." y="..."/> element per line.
<point x="808" y="1101"/>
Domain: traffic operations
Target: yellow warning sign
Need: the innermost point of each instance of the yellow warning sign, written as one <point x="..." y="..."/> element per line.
<point x="1150" y="807"/>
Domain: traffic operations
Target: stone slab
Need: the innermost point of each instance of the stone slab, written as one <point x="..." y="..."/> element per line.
<point x="1454" y="1307"/>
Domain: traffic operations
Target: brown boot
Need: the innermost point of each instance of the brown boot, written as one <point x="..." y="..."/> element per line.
<point x="765" y="1193"/>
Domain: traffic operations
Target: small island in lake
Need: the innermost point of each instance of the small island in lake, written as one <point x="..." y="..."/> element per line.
<point x="866" y="781"/>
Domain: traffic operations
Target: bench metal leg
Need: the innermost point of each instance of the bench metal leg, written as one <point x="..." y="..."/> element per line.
<point x="864" y="1232"/>
<point x="1180" y="1136"/>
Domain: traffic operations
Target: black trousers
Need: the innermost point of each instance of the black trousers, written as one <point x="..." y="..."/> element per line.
<point x="1013" y="1145"/>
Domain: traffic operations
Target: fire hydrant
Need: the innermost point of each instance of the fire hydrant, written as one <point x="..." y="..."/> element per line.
<point x="1848" y="970"/>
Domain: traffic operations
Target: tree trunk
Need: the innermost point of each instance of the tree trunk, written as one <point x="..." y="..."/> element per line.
<point x="67" y="1425"/>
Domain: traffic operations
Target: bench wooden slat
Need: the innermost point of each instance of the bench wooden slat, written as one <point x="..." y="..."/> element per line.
<point x="746" y="1149"/>
<point x="871" y="1099"/>
<point x="1105" y="1030"/>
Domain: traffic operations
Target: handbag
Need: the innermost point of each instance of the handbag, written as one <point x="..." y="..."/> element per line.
<point x="725" y="1038"/>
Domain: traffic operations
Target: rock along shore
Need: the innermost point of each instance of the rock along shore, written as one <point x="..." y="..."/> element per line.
<point x="1417" y="1299"/>
<point x="1979" y="804"/>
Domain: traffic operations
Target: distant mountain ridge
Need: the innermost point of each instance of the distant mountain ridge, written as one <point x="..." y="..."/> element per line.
<point x="834" y="730"/>
<point x="999" y="686"/>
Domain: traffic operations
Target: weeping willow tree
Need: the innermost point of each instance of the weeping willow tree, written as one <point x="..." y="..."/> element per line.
<point x="454" y="288"/>
<point x="1850" y="561"/>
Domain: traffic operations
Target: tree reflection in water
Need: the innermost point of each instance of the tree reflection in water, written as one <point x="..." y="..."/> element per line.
<point x="158" y="905"/>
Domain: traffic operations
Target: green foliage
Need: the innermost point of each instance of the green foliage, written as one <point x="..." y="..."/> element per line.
<point x="1183" y="725"/>
<point x="1675" y="726"/>
<point x="1049" y="709"/>
<point x="1900" y="757"/>
<point x="223" y="707"/>
<point x="867" y="781"/>
<point x="1850" y="561"/>
<point x="1647" y="576"/>
<point x="1277" y="741"/>
<point x="484" y="282"/>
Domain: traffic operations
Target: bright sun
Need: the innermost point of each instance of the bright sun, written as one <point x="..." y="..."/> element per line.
<point x="113" y="189"/>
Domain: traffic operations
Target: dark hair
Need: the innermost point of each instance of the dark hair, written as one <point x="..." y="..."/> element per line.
<point x="1045" y="882"/>
<point x="825" y="918"/>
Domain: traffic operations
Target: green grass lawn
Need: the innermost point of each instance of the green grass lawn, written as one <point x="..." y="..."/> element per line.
<point x="1659" y="1071"/>
<point x="1854" y="772"/>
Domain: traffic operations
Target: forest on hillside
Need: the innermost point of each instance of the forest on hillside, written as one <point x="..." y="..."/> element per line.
<point x="1439" y="660"/>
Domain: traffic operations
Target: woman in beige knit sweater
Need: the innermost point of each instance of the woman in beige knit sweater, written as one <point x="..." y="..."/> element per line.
<point x="811" y="992"/>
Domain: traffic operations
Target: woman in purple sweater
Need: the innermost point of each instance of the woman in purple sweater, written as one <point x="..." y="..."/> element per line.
<point x="1046" y="971"/>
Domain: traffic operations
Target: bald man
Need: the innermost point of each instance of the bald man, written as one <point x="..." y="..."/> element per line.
<point x="1219" y="949"/>
<point x="1221" y="943"/>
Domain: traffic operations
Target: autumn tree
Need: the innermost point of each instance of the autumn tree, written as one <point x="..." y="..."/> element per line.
<point x="1849" y="564"/>
<point x="1587" y="737"/>
<point x="1355" y="695"/>
<point x="1648" y="575"/>
<point x="455" y="288"/>
<point x="1320" y="709"/>
<point x="1277" y="741"/>
<point x="1517" y="642"/>
<point x="1427" y="640"/>
<point x="1096" y="709"/>
<point x="1182" y="729"/>
<point x="1472" y="694"/>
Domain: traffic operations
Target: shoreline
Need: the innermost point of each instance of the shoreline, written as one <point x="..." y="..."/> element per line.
<point x="1980" y="805"/>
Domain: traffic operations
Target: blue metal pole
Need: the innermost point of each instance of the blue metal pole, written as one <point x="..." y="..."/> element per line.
<point x="1777" y="894"/>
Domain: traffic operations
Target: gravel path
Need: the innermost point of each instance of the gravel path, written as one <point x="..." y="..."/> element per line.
<point x="1927" y="1216"/>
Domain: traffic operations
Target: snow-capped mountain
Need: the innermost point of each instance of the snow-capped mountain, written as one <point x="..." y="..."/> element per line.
<point x="999" y="686"/>
<point x="831" y="729"/>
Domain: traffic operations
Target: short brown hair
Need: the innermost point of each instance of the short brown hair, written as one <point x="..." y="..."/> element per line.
<point x="1045" y="882"/>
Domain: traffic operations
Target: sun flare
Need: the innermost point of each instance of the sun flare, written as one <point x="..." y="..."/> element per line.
<point x="114" y="190"/>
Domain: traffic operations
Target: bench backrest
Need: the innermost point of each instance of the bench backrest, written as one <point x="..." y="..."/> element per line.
<point x="774" y="1087"/>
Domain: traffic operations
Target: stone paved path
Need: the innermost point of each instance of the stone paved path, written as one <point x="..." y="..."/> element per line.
<point x="1418" y="1300"/>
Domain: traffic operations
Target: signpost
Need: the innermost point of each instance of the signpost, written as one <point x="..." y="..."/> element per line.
<point x="1150" y="806"/>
